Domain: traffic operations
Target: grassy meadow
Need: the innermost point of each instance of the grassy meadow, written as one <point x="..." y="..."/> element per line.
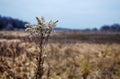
<point x="69" y="55"/>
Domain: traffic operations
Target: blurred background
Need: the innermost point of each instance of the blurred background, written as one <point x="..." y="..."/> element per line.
<point x="72" y="14"/>
<point x="84" y="45"/>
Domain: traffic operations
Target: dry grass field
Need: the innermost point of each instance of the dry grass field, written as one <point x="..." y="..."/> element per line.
<point x="69" y="55"/>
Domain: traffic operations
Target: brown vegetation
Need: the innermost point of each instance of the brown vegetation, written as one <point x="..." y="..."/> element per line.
<point x="68" y="59"/>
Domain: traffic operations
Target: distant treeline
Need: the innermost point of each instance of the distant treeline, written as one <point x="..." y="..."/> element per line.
<point x="111" y="28"/>
<point x="114" y="27"/>
<point x="8" y="23"/>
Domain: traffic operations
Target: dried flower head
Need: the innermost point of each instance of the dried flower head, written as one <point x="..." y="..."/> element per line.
<point x="41" y="28"/>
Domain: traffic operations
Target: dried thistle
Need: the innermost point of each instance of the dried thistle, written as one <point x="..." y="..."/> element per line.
<point x="40" y="34"/>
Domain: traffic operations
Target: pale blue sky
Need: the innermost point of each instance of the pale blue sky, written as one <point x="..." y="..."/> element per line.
<point x="70" y="13"/>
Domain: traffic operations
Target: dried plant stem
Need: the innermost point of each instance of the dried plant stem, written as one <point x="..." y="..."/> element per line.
<point x="40" y="70"/>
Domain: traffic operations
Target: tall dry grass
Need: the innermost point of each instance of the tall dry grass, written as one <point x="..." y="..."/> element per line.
<point x="66" y="61"/>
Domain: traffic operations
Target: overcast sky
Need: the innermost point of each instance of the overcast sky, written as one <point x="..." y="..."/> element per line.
<point x="77" y="14"/>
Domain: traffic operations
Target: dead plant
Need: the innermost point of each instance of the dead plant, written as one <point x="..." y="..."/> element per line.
<point x="40" y="34"/>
